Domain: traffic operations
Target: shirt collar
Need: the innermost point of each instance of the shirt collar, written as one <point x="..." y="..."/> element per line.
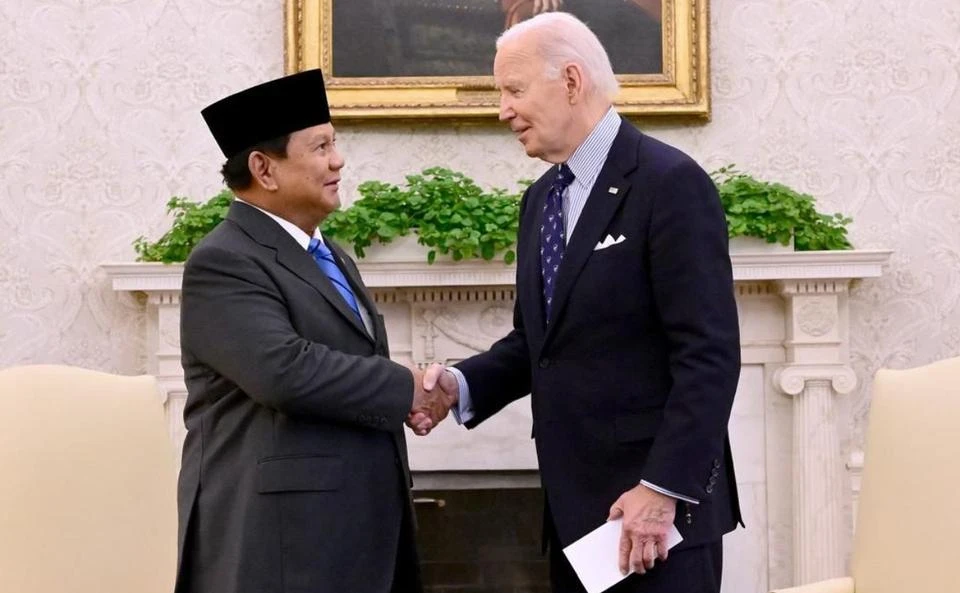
<point x="296" y="232"/>
<point x="588" y="158"/>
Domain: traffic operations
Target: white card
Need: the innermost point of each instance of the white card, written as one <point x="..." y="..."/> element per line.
<point x="595" y="556"/>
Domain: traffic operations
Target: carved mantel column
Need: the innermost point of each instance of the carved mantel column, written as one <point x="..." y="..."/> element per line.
<point x="815" y="373"/>
<point x="160" y="284"/>
<point x="163" y="356"/>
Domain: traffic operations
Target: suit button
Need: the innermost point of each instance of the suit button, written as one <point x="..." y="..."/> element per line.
<point x="713" y="480"/>
<point x="716" y="464"/>
<point x="714" y="473"/>
<point x="544" y="363"/>
<point x="709" y="489"/>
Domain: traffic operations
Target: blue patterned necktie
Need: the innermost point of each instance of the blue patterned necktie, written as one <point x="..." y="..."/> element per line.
<point x="553" y="235"/>
<point x="324" y="258"/>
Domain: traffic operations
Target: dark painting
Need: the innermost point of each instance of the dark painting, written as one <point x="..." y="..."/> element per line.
<point x="449" y="38"/>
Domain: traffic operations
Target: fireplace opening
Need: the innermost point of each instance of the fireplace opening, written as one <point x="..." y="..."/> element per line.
<point x="481" y="540"/>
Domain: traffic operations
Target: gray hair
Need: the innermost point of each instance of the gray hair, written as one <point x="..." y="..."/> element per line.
<point x="565" y="38"/>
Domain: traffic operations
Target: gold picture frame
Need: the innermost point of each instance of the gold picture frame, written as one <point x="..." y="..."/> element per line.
<point x="681" y="87"/>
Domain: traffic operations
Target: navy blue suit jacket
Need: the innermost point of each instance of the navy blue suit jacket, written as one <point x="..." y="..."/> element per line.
<point x="634" y="375"/>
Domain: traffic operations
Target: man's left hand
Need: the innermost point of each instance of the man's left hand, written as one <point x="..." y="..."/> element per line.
<point x="647" y="515"/>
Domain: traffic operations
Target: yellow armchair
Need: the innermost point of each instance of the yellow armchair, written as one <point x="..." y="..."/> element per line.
<point x="908" y="528"/>
<point x="87" y="483"/>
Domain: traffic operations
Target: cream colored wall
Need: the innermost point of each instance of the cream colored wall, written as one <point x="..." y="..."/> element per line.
<point x="856" y="102"/>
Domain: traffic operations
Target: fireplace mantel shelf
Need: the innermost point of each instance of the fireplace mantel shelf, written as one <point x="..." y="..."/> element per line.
<point x="752" y="267"/>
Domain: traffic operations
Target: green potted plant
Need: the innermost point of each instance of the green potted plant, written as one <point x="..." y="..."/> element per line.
<point x="450" y="216"/>
<point x="776" y="213"/>
<point x="447" y="212"/>
<point x="191" y="222"/>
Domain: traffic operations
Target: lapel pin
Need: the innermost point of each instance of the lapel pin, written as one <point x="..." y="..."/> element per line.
<point x="613" y="190"/>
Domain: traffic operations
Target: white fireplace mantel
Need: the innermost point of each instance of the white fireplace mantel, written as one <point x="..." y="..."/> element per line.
<point x="791" y="265"/>
<point x="795" y="339"/>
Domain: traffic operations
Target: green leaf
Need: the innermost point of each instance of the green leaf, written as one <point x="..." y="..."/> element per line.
<point x="386" y="232"/>
<point x="487" y="251"/>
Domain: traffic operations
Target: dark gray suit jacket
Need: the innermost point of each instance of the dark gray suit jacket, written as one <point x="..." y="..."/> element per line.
<point x="294" y="474"/>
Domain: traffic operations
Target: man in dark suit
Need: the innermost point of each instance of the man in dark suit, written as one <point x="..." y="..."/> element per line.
<point x="294" y="474"/>
<point x="625" y="326"/>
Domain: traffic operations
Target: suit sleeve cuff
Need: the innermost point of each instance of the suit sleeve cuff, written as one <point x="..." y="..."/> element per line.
<point x="669" y="493"/>
<point x="463" y="412"/>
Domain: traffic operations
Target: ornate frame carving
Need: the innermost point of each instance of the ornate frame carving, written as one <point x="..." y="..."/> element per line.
<point x="682" y="88"/>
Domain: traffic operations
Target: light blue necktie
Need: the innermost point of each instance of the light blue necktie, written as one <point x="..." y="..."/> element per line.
<point x="324" y="258"/>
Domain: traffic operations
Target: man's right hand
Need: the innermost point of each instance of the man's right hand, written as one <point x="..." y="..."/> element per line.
<point x="437" y="385"/>
<point x="431" y="405"/>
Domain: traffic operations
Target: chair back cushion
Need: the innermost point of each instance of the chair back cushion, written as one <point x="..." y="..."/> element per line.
<point x="908" y="525"/>
<point x="87" y="483"/>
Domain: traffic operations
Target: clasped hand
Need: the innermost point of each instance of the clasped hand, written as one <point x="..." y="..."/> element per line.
<point x="435" y="391"/>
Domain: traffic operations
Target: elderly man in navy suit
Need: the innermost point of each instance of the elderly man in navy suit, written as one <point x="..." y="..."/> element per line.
<point x="625" y="326"/>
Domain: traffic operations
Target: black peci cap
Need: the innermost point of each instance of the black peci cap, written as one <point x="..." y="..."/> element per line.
<point x="267" y="111"/>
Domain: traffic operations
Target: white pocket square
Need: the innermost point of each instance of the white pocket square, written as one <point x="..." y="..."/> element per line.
<point x="609" y="241"/>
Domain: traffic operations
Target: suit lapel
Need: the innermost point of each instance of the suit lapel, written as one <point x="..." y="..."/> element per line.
<point x="528" y="267"/>
<point x="601" y="205"/>
<point x="356" y="283"/>
<point x="292" y="256"/>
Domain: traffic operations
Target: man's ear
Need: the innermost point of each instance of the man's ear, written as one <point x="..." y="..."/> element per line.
<point x="262" y="170"/>
<point x="573" y="81"/>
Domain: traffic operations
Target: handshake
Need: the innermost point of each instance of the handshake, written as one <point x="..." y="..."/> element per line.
<point x="435" y="391"/>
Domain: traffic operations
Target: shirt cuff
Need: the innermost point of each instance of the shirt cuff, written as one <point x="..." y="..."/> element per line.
<point x="666" y="492"/>
<point x="463" y="412"/>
